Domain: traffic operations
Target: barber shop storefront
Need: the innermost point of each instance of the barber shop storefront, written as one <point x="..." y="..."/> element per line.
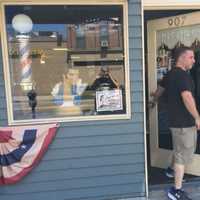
<point x="75" y="81"/>
<point x="70" y="127"/>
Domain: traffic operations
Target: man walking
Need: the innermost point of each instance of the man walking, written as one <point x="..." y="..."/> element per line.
<point x="184" y="119"/>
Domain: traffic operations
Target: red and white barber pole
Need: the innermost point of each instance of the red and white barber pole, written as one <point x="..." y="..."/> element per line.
<point x="23" y="24"/>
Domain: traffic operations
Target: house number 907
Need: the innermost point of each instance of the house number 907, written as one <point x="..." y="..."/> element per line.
<point x="176" y="21"/>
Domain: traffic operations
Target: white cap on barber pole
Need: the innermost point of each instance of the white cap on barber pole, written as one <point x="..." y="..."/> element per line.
<point x="22" y="23"/>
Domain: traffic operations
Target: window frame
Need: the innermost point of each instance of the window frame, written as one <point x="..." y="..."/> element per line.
<point x="6" y="67"/>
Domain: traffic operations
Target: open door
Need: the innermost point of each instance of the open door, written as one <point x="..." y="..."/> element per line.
<point x="164" y="35"/>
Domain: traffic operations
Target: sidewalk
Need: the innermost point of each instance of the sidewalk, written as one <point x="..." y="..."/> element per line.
<point x="159" y="192"/>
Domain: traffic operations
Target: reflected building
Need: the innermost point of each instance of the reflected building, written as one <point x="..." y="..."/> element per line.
<point x="94" y="45"/>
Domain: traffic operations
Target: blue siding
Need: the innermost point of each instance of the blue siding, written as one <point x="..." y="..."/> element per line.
<point x="94" y="160"/>
<point x="3" y="111"/>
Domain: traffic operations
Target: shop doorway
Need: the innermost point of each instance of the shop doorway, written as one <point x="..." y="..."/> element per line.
<point x="168" y="31"/>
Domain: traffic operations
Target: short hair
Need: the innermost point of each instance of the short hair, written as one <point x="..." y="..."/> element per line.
<point x="180" y="51"/>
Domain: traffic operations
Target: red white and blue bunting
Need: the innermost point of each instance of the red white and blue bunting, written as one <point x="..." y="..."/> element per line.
<point x="21" y="148"/>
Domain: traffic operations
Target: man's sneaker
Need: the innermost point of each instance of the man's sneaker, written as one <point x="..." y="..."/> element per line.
<point x="169" y="172"/>
<point x="174" y="194"/>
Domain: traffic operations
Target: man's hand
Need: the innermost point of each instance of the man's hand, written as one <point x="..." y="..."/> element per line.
<point x="151" y="104"/>
<point x="155" y="96"/>
<point x="190" y="104"/>
<point x="197" y="122"/>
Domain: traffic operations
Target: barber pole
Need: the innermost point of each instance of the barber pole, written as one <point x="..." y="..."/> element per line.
<point x="25" y="63"/>
<point x="23" y="25"/>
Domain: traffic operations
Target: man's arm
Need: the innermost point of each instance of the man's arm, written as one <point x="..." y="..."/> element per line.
<point x="190" y="104"/>
<point x="155" y="96"/>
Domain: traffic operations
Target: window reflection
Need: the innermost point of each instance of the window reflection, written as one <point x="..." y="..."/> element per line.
<point x="75" y="63"/>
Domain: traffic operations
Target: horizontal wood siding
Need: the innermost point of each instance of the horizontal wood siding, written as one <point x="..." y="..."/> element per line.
<point x="3" y="111"/>
<point x="92" y="160"/>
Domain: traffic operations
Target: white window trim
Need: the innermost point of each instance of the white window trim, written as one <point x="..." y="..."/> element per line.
<point x="11" y="120"/>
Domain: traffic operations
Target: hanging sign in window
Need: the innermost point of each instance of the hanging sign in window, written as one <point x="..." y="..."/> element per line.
<point x="109" y="100"/>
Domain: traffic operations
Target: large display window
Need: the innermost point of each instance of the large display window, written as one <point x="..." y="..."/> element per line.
<point x="66" y="62"/>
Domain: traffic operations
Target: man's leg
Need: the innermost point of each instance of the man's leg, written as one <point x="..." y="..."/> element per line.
<point x="184" y="141"/>
<point x="169" y="171"/>
<point x="179" y="174"/>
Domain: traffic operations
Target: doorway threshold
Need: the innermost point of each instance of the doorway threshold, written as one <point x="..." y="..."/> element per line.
<point x="157" y="177"/>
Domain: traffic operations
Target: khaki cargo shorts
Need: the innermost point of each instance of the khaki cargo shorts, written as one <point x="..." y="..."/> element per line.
<point x="184" y="144"/>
